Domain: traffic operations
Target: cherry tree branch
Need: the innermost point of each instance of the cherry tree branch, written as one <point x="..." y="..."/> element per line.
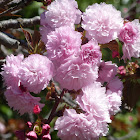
<point x="15" y="23"/>
<point x="11" y="42"/>
<point x="7" y="41"/>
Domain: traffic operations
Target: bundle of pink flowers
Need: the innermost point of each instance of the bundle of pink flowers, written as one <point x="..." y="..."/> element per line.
<point x="75" y="66"/>
<point x="22" y="76"/>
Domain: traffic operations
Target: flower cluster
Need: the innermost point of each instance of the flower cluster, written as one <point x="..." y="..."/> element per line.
<point x="74" y="60"/>
<point x="34" y="130"/>
<point x="79" y="66"/>
<point x="22" y="76"/>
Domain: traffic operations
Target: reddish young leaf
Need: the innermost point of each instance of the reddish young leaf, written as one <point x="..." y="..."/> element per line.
<point x="28" y="36"/>
<point x="29" y="40"/>
<point x="131" y="93"/>
<point x="35" y="38"/>
<point x="112" y="45"/>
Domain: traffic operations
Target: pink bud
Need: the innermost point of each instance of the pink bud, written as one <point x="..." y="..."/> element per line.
<point x="115" y="54"/>
<point x="36" y="109"/>
<point x="31" y="135"/>
<point x="46" y="137"/>
<point x="29" y="124"/>
<point x="122" y="70"/>
<point x="45" y="129"/>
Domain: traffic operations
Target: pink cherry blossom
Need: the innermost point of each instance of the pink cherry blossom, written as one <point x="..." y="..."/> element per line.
<point x="44" y="31"/>
<point x="36" y="72"/>
<point x="60" y="13"/>
<point x="91" y="53"/>
<point x="115" y="85"/>
<point x="93" y="100"/>
<point x="130" y="32"/>
<point x="73" y="126"/>
<point x="107" y="71"/>
<point x="114" y="102"/>
<point x="62" y="43"/>
<point x="11" y="70"/>
<point x="130" y="35"/>
<point x="131" y="50"/>
<point x="102" y="22"/>
<point x="75" y="74"/>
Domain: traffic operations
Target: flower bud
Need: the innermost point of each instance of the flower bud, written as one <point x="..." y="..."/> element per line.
<point x="122" y="70"/>
<point x="36" y="109"/>
<point x="115" y="54"/>
<point x="45" y="129"/>
<point x="31" y="135"/>
<point x="46" y="137"/>
<point x="29" y="124"/>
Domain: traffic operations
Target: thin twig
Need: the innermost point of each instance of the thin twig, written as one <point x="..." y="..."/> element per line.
<point x="15" y="23"/>
<point x="66" y="98"/>
<point x="69" y="102"/>
<point x="57" y="101"/>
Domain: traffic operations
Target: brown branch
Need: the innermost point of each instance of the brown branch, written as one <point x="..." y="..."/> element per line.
<point x="15" y="23"/>
<point x="57" y="101"/>
<point x="12" y="42"/>
<point x="7" y="41"/>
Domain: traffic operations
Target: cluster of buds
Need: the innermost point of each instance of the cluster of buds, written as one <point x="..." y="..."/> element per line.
<point x="36" y="130"/>
<point x="44" y="135"/>
<point x="130" y="69"/>
<point x="121" y="70"/>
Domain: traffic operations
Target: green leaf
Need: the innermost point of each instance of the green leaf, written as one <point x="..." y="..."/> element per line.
<point x="6" y="111"/>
